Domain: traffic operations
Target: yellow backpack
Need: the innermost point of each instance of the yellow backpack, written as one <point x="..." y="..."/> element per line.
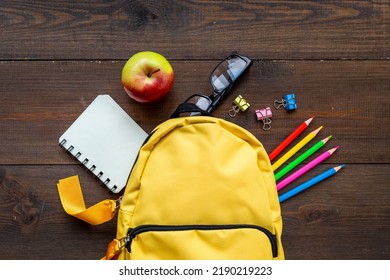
<point x="201" y="188"/>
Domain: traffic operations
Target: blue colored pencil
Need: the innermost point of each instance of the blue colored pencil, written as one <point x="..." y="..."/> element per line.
<point x="310" y="183"/>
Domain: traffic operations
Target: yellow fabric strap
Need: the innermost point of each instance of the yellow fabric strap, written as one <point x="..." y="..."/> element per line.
<point x="73" y="202"/>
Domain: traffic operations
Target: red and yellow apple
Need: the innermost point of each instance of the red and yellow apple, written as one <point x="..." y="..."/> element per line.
<point x="147" y="77"/>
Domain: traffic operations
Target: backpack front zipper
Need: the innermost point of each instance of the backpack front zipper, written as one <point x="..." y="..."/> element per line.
<point x="133" y="232"/>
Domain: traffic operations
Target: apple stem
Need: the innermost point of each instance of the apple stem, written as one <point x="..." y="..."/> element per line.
<point x="155" y="71"/>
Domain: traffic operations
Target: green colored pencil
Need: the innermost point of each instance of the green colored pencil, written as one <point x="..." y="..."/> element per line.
<point x="301" y="158"/>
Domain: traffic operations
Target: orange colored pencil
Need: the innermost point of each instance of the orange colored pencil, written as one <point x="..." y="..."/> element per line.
<point x="289" y="139"/>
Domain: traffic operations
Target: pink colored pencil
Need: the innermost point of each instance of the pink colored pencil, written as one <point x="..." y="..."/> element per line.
<point x="305" y="168"/>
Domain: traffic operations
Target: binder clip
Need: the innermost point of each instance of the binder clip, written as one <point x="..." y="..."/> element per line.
<point x="265" y="116"/>
<point x="287" y="102"/>
<point x="240" y="104"/>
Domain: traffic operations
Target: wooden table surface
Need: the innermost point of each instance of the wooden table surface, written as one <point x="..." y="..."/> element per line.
<point x="57" y="56"/>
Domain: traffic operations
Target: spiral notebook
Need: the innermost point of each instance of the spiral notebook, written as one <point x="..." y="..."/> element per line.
<point x="106" y="140"/>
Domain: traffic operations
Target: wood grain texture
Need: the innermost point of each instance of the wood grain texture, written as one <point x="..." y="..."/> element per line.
<point x="320" y="223"/>
<point x="350" y="103"/>
<point x="33" y="223"/>
<point x="57" y="56"/>
<point x="186" y="29"/>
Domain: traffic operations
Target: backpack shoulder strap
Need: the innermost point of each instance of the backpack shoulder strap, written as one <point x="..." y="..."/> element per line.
<point x="73" y="203"/>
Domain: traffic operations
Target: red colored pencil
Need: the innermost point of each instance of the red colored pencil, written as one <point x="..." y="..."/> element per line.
<point x="290" y="138"/>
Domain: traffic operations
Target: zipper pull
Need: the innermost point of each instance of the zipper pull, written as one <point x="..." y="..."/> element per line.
<point x="129" y="238"/>
<point x="113" y="248"/>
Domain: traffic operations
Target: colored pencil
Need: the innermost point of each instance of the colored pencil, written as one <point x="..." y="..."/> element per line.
<point x="310" y="183"/>
<point x="301" y="158"/>
<point x="289" y="139"/>
<point x="295" y="149"/>
<point x="305" y="168"/>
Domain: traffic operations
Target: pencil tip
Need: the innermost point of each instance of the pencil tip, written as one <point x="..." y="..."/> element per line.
<point x="317" y="130"/>
<point x="337" y="168"/>
<point x="334" y="149"/>
<point x="308" y="121"/>
<point x="326" y="139"/>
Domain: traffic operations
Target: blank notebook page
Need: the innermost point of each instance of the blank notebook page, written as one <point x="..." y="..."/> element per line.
<point x="106" y="140"/>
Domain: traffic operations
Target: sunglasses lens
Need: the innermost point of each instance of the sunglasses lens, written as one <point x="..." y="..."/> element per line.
<point x="227" y="72"/>
<point x="203" y="102"/>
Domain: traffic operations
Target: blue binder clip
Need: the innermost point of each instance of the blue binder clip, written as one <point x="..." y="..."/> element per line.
<point x="287" y="102"/>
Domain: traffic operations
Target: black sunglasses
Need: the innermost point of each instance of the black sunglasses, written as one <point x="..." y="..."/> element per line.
<point x="222" y="79"/>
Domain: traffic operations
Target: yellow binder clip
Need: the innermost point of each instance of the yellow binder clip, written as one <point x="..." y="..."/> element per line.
<point x="240" y="104"/>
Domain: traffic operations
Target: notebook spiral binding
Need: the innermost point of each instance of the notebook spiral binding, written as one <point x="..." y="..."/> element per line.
<point x="85" y="162"/>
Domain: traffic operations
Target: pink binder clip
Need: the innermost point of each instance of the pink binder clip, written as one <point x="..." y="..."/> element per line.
<point x="265" y="116"/>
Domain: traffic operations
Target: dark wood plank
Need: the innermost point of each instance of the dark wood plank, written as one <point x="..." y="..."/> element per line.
<point x="186" y="29"/>
<point x="57" y="56"/>
<point x="340" y="218"/>
<point x="40" y="100"/>
<point x="32" y="222"/>
<point x="344" y="217"/>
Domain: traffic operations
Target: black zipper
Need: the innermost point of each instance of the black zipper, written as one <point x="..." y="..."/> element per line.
<point x="133" y="232"/>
